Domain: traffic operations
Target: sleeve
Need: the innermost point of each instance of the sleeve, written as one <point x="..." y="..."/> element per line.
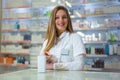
<point x="78" y="45"/>
<point x="78" y="55"/>
<point x="43" y="46"/>
<point x="77" y="64"/>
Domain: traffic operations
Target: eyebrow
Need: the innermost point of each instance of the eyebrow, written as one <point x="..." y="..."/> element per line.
<point x="62" y="15"/>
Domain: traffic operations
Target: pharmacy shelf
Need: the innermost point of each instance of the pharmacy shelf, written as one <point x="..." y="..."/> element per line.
<point x="23" y="31"/>
<point x="15" y="53"/>
<point x="38" y="14"/>
<point x="100" y="15"/>
<point x="94" y="55"/>
<point x="113" y="41"/>
<point x="21" y="65"/>
<point x="92" y="2"/>
<point x="103" y="29"/>
<point x="17" y="7"/>
<point x="15" y="42"/>
<point x="11" y="30"/>
<point x="95" y="42"/>
<point x="73" y="17"/>
<point x="21" y="18"/>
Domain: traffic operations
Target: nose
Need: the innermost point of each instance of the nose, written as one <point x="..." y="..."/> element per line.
<point x="61" y="19"/>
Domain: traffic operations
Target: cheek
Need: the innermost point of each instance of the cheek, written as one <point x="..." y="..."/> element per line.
<point x="56" y="22"/>
<point x="66" y="22"/>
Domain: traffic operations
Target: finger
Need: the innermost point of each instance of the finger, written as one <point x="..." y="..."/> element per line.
<point x="47" y="53"/>
<point x="48" y="57"/>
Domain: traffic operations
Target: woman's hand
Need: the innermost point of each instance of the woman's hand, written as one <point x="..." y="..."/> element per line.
<point x="50" y="58"/>
<point x="49" y="66"/>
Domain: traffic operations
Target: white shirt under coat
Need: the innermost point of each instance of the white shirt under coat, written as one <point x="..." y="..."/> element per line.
<point x="71" y="45"/>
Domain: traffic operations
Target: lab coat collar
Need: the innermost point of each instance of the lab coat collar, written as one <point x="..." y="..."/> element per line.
<point x="63" y="35"/>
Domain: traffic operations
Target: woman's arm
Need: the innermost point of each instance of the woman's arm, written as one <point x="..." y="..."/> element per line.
<point x="78" y="55"/>
<point x="76" y="64"/>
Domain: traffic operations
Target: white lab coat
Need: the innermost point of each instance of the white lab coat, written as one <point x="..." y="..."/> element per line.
<point x="70" y="45"/>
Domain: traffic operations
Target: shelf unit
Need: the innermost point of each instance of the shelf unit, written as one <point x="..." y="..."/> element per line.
<point x="23" y="28"/>
<point x="24" y="25"/>
<point x="15" y="36"/>
<point x="95" y="16"/>
<point x="97" y="21"/>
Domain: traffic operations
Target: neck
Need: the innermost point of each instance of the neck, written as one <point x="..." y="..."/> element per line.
<point x="59" y="33"/>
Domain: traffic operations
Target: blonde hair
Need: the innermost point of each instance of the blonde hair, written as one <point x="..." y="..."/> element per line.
<point x="51" y="33"/>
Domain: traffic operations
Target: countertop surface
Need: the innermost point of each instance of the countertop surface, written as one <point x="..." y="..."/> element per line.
<point x="32" y="74"/>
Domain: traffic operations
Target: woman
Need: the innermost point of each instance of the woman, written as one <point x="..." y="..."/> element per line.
<point x="60" y="39"/>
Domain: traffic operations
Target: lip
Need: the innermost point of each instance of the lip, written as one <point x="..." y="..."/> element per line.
<point x="61" y="24"/>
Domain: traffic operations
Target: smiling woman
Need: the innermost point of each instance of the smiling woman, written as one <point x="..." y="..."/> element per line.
<point x="61" y="21"/>
<point x="61" y="40"/>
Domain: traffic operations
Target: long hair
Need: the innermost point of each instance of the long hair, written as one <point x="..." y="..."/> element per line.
<point x="51" y="33"/>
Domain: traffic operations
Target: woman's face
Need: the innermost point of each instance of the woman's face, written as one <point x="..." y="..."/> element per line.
<point x="61" y="21"/>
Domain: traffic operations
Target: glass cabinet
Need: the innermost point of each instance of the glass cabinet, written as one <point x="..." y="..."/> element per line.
<point x="24" y="23"/>
<point x="98" y="22"/>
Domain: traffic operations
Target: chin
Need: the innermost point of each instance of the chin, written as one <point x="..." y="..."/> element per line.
<point x="62" y="30"/>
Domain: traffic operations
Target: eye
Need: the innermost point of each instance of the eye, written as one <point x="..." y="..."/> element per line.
<point x="64" y="17"/>
<point x="56" y="17"/>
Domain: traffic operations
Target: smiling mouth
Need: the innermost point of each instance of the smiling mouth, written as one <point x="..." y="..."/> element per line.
<point x="61" y="24"/>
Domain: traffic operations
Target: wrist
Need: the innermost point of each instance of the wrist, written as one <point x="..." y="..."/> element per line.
<point x="49" y="66"/>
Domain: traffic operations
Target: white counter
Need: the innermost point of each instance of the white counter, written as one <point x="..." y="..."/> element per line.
<point x="32" y="74"/>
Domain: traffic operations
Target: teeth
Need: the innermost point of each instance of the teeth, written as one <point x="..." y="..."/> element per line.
<point x="61" y="24"/>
